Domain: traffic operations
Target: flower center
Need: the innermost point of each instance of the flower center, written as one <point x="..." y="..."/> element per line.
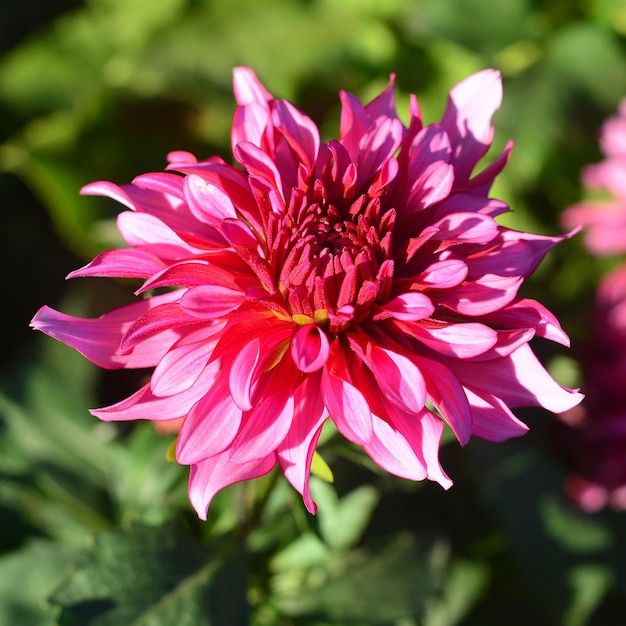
<point x="334" y="259"/>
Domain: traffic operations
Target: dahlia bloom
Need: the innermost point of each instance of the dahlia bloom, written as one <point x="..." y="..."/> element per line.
<point x="364" y="280"/>
<point x="605" y="220"/>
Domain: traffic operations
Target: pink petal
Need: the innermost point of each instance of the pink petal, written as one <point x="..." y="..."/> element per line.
<point x="299" y="130"/>
<point x="483" y="296"/>
<point x="467" y="118"/>
<point x="210" y="426"/>
<point x="143" y="404"/>
<point x="248" y="87"/>
<point x="207" y="202"/>
<point x="211" y="301"/>
<point x="432" y="430"/>
<point x="121" y="263"/>
<point x="378" y="144"/>
<point x="519" y="380"/>
<point x="446" y="393"/>
<point x="493" y="420"/>
<point x="249" y="124"/>
<point x="149" y="233"/>
<point x="410" y="307"/>
<point x="243" y="374"/>
<point x="347" y="407"/>
<point x="466" y="227"/>
<point x="99" y="339"/>
<point x="389" y="449"/>
<point x="443" y="274"/>
<point x="211" y="475"/>
<point x="295" y="452"/>
<point x="180" y="368"/>
<point x="432" y="185"/>
<point x="527" y="313"/>
<point x="157" y="319"/>
<point x="399" y="379"/>
<point x="265" y="427"/>
<point x="459" y="340"/>
<point x="310" y="348"/>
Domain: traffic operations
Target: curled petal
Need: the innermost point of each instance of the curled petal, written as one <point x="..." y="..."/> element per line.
<point x="410" y="307"/>
<point x="493" y="420"/>
<point x="310" y="348"/>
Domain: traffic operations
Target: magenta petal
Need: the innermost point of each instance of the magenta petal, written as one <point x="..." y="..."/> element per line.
<point x="211" y="301"/>
<point x="243" y="373"/>
<point x="149" y="233"/>
<point x="299" y="130"/>
<point x="309" y="348"/>
<point x="444" y="274"/>
<point x="121" y="263"/>
<point x="519" y="380"/>
<point x="99" y="339"/>
<point x="399" y="379"/>
<point x="295" y="452"/>
<point x="467" y="118"/>
<point x="210" y="426"/>
<point x="249" y="124"/>
<point x="460" y="340"/>
<point x="144" y="405"/>
<point x="211" y="475"/>
<point x="410" y="307"/>
<point x="446" y="393"/>
<point x="531" y="314"/>
<point x="493" y="420"/>
<point x="389" y="449"/>
<point x="347" y="407"/>
<point x="206" y="201"/>
<point x="265" y="426"/>
<point x="248" y="88"/>
<point x="466" y="227"/>
<point x="432" y="430"/>
<point x="180" y="368"/>
<point x="483" y="296"/>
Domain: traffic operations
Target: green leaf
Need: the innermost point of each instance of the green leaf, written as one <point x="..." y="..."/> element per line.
<point x="147" y="576"/>
<point x="393" y="582"/>
<point x="343" y="521"/>
<point x="27" y="578"/>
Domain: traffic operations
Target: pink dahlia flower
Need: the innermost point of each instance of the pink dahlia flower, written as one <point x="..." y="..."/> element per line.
<point x="364" y="280"/>
<point x="605" y="220"/>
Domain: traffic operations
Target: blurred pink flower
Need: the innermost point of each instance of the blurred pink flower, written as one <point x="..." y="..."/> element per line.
<point x="605" y="220"/>
<point x="593" y="438"/>
<point x="364" y="280"/>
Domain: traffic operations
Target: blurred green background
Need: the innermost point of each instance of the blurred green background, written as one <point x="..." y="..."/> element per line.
<point x="95" y="525"/>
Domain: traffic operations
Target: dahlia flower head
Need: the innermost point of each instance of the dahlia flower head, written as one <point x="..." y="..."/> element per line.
<point x="364" y="281"/>
<point x="605" y="219"/>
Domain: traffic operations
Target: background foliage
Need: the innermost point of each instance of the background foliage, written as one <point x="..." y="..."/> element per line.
<point x="96" y="527"/>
